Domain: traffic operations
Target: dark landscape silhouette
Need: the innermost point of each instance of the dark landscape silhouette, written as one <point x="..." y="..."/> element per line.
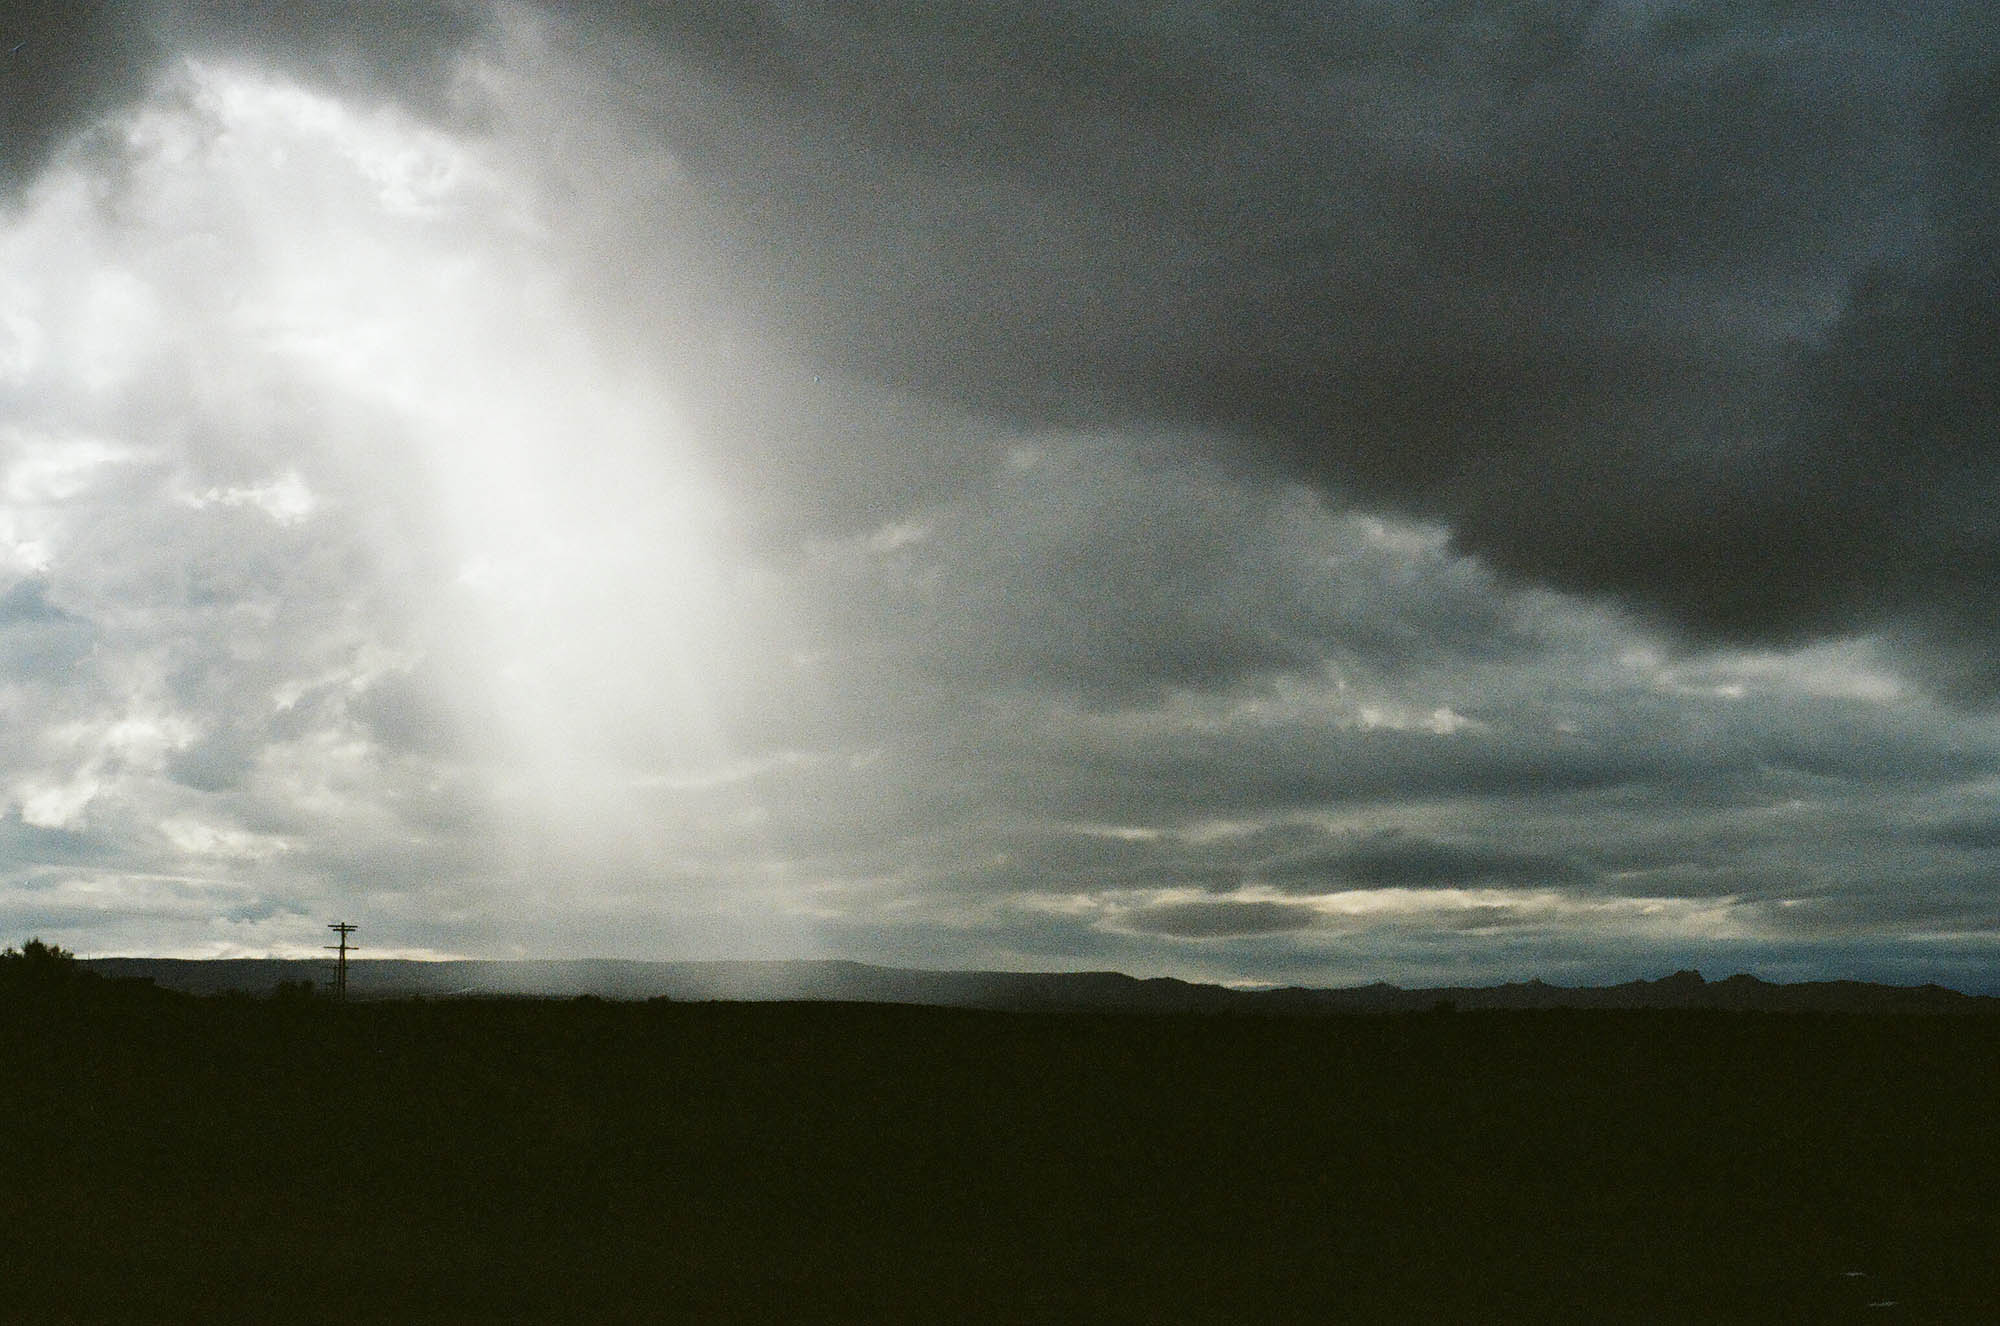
<point x="1109" y="991"/>
<point x="287" y="1157"/>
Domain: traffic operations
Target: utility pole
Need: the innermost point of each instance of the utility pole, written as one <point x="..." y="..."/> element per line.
<point x="343" y="948"/>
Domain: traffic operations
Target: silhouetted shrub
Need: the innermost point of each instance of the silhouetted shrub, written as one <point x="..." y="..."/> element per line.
<point x="40" y="966"/>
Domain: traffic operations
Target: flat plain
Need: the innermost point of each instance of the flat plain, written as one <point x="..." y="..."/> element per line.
<point x="181" y="1158"/>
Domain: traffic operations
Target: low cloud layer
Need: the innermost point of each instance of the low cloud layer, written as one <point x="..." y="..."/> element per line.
<point x="1402" y="493"/>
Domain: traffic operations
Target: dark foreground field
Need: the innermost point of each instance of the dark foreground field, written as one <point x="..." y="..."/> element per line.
<point x="186" y="1160"/>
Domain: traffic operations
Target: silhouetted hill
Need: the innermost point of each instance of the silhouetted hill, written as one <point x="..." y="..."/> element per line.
<point x="1683" y="990"/>
<point x="856" y="982"/>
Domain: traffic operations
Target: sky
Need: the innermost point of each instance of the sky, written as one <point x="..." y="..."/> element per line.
<point x="1430" y="492"/>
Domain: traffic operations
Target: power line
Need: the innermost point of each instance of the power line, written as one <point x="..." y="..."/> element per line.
<point x="343" y="948"/>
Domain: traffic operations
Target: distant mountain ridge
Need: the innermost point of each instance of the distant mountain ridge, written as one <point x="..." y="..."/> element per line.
<point x="835" y="980"/>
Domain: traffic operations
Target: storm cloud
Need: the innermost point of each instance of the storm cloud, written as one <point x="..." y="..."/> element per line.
<point x="1684" y="305"/>
<point x="1242" y="492"/>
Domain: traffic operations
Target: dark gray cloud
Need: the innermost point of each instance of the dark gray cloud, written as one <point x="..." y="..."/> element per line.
<point x="1684" y="304"/>
<point x="1395" y="859"/>
<point x="217" y="762"/>
<point x="1118" y="576"/>
<point x="63" y="64"/>
<point x="1584" y="282"/>
<point x="393" y="48"/>
<point x="1980" y="833"/>
<point x="37" y="638"/>
<point x="1900" y="426"/>
<point x="1427" y="491"/>
<point x="66" y="65"/>
<point x="1202" y="920"/>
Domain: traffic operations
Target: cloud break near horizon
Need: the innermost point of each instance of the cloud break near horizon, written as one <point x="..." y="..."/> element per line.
<point x="1436" y="493"/>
